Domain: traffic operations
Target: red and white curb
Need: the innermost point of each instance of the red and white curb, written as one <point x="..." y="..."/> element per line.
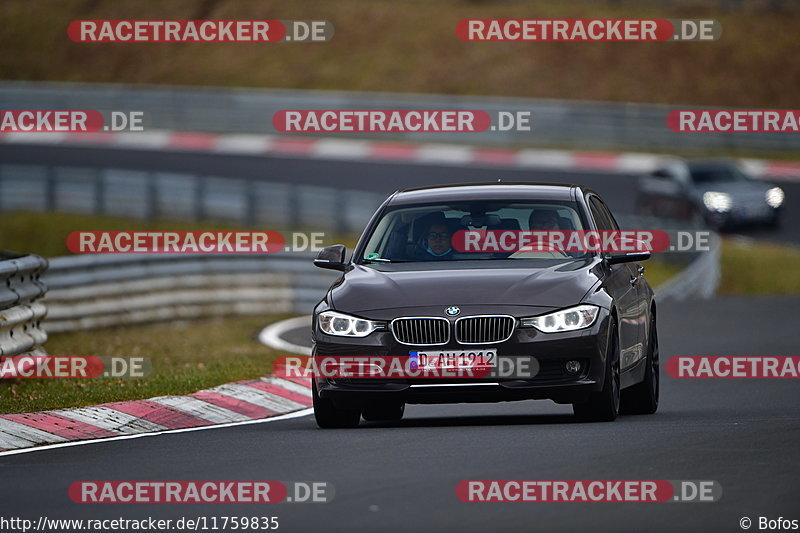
<point x="225" y="405"/>
<point x="375" y="151"/>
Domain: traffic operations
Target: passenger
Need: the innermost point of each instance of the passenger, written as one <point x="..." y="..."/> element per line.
<point x="544" y="220"/>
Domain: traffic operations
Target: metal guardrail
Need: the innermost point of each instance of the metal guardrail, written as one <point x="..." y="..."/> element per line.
<point x="91" y="291"/>
<point x="701" y="270"/>
<point x="556" y="123"/>
<point x="20" y="314"/>
<point x="700" y="279"/>
<point x="181" y="196"/>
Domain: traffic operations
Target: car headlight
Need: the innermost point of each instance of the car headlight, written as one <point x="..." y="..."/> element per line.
<point x="342" y="325"/>
<point x="570" y="319"/>
<point x="717" y="201"/>
<point x="775" y="197"/>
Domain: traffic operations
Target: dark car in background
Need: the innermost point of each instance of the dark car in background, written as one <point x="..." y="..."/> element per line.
<point x="716" y="192"/>
<point x="588" y="319"/>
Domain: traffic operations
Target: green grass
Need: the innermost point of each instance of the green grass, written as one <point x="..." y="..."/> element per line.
<point x="657" y="272"/>
<point x="750" y="267"/>
<point x="411" y="46"/>
<point x="185" y="357"/>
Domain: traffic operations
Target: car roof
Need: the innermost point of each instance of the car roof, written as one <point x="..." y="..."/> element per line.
<point x="484" y="191"/>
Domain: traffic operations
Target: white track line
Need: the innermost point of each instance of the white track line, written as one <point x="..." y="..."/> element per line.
<point x="271" y="335"/>
<point x="297" y="414"/>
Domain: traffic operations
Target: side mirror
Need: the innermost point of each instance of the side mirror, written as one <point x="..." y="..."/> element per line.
<point x="331" y="257"/>
<point x="631" y="257"/>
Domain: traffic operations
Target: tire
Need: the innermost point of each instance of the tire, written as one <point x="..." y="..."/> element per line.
<point x="603" y="406"/>
<point x="328" y="416"/>
<point x="642" y="398"/>
<point x="383" y="412"/>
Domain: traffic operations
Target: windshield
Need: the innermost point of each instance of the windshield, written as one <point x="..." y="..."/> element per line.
<point x="428" y="232"/>
<point x="718" y="175"/>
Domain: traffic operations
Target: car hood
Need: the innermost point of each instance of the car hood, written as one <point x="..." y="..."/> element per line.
<point x="368" y="289"/>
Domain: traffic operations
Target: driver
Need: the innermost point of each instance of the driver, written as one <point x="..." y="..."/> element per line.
<point x="435" y="243"/>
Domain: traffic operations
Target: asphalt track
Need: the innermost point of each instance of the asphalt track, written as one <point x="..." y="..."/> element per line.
<point x="617" y="189"/>
<point x="402" y="476"/>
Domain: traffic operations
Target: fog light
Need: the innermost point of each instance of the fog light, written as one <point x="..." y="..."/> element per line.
<point x="573" y="367"/>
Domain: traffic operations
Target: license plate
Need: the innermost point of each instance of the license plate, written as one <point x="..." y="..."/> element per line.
<point x="456" y="359"/>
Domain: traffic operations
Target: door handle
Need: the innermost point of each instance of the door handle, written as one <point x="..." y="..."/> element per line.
<point x="634" y="280"/>
<point x="641" y="269"/>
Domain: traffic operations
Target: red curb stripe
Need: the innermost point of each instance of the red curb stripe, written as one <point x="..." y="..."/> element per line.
<point x="291" y="145"/>
<point x="159" y="414"/>
<point x="378" y="150"/>
<point x="192" y="141"/>
<point x="306" y="382"/>
<point x="495" y="156"/>
<point x="60" y="425"/>
<point x="779" y="169"/>
<point x="602" y="160"/>
<point x="279" y="391"/>
<point x="232" y="404"/>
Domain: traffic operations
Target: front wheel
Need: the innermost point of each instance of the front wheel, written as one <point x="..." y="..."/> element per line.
<point x="603" y="406"/>
<point x="642" y="398"/>
<point x="328" y="416"/>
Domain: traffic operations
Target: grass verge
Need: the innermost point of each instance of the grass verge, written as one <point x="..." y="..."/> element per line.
<point x="657" y="272"/>
<point x="185" y="356"/>
<point x="751" y="267"/>
<point x="46" y="234"/>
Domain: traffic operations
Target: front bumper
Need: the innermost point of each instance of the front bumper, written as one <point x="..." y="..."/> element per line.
<point x="743" y="214"/>
<point x="551" y="352"/>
